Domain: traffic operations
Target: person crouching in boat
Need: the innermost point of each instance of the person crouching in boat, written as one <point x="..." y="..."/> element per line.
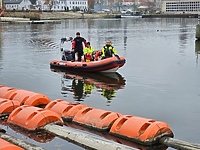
<point x="108" y="50"/>
<point x="77" y="46"/>
<point x="88" y="52"/>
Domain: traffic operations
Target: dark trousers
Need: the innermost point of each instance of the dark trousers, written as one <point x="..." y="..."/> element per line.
<point x="79" y="52"/>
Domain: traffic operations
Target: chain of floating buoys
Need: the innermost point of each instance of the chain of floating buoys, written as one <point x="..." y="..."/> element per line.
<point x="22" y="108"/>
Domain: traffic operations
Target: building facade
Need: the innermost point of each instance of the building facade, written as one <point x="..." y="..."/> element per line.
<point x="181" y="6"/>
<point x="62" y="5"/>
<point x="17" y="4"/>
<point x="55" y="5"/>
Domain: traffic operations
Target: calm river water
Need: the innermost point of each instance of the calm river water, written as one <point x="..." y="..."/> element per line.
<point x="160" y="79"/>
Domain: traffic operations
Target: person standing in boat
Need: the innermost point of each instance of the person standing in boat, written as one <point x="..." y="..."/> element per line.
<point x="108" y="50"/>
<point x="88" y="52"/>
<point x="77" y="46"/>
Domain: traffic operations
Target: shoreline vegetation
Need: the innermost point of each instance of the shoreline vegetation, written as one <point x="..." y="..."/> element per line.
<point x="39" y="16"/>
<point x="58" y="15"/>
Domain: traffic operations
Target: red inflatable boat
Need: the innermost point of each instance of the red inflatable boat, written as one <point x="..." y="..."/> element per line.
<point x="111" y="64"/>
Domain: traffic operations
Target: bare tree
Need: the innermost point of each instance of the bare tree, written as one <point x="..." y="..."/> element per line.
<point x="91" y="4"/>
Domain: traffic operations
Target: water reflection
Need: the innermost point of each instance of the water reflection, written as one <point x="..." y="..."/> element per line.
<point x="125" y="34"/>
<point x="183" y="35"/>
<point x="197" y="49"/>
<point x="40" y="136"/>
<point x="77" y="86"/>
<point x="184" y="28"/>
<point x="42" y="43"/>
<point x="84" y="84"/>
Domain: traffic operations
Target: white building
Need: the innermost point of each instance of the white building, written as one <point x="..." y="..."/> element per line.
<point x="17" y="4"/>
<point x="56" y="5"/>
<point x="130" y="2"/>
<point x="181" y="6"/>
<point x="59" y="5"/>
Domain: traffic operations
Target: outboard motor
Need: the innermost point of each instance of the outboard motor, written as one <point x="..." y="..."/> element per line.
<point x="67" y="55"/>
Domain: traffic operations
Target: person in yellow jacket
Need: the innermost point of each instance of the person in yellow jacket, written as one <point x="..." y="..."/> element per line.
<point x="88" y="52"/>
<point x="108" y="50"/>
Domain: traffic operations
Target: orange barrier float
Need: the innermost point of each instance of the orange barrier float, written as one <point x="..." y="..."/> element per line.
<point x="32" y="118"/>
<point x="96" y="118"/>
<point x="28" y="97"/>
<point x="65" y="109"/>
<point x="4" y="90"/>
<point x="7" y="106"/>
<point x="141" y="130"/>
<point x="118" y="139"/>
<point x="4" y="145"/>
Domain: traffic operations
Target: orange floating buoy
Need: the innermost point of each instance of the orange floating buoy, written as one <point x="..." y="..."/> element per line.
<point x="4" y="145"/>
<point x="69" y="115"/>
<point x="4" y="90"/>
<point x="7" y="106"/>
<point x="32" y="118"/>
<point x="59" y="106"/>
<point x="66" y="110"/>
<point x="118" y="139"/>
<point x="52" y="103"/>
<point x="96" y="118"/>
<point x="141" y="130"/>
<point x="28" y="97"/>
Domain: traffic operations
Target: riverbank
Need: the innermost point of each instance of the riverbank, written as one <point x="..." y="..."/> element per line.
<point x="170" y="16"/>
<point x="58" y="15"/>
<point x="78" y="15"/>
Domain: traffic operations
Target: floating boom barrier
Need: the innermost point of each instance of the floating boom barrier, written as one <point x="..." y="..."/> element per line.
<point x="20" y="105"/>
